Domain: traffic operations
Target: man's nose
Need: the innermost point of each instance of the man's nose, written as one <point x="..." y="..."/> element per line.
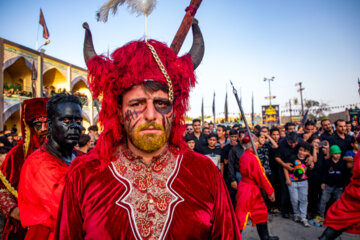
<point x="44" y="127"/>
<point x="150" y="112"/>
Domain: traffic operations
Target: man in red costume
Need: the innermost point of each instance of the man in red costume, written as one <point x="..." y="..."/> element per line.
<point x="250" y="202"/>
<point x="344" y="214"/>
<point x="141" y="181"/>
<point x="34" y="131"/>
<point x="43" y="174"/>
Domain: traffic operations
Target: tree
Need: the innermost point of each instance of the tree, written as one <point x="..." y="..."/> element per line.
<point x="317" y="110"/>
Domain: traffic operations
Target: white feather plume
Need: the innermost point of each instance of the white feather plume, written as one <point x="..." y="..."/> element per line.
<point x="136" y="6"/>
<point x="141" y="6"/>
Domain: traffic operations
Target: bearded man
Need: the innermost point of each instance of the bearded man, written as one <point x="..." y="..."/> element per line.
<point x="34" y="130"/>
<point x="141" y="181"/>
<point x="43" y="174"/>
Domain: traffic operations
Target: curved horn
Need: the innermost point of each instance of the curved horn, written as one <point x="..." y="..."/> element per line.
<point x="89" y="50"/>
<point x="198" y="47"/>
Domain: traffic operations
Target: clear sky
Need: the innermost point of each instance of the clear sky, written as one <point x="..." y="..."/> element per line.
<point x="316" y="42"/>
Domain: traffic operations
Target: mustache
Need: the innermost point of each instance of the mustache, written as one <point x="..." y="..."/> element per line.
<point x="150" y="124"/>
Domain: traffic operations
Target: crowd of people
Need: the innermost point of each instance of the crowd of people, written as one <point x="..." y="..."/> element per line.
<point x="308" y="166"/>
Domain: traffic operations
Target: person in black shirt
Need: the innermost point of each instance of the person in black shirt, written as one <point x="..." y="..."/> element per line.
<point x="328" y="130"/>
<point x="288" y="148"/>
<point x="320" y="153"/>
<point x="224" y="163"/>
<point x="200" y="138"/>
<point x="334" y="177"/>
<point x="211" y="151"/>
<point x="340" y="137"/>
<point x="266" y="143"/>
<point x="234" y="175"/>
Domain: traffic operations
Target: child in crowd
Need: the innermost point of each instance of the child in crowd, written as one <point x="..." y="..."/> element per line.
<point x="297" y="182"/>
<point x="190" y="141"/>
<point x="211" y="150"/>
<point x="334" y="177"/>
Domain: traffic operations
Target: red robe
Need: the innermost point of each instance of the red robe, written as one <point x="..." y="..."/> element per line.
<point x="182" y="195"/>
<point x="41" y="184"/>
<point x="345" y="213"/>
<point x="11" y="168"/>
<point x="250" y="202"/>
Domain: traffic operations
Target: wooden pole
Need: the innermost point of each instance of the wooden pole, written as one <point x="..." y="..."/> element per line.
<point x="185" y="26"/>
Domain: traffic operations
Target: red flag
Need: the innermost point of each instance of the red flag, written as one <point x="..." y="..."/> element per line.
<point x="42" y="22"/>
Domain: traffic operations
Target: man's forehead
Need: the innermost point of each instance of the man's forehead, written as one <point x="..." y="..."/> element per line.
<point x="40" y="119"/>
<point x="140" y="92"/>
<point x="68" y="109"/>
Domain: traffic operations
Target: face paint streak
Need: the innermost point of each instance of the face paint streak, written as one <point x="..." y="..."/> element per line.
<point x="129" y="115"/>
<point x="133" y="126"/>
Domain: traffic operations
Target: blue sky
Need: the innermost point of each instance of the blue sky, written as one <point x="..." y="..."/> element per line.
<point x="312" y="41"/>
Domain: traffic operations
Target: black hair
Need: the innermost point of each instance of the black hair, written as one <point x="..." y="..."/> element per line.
<point x="274" y="129"/>
<point x="4" y="150"/>
<point x="189" y="137"/>
<point x="309" y="123"/>
<point x="233" y="132"/>
<point x="196" y="120"/>
<point x="288" y="124"/>
<point x="305" y="145"/>
<point x="93" y="128"/>
<point x="51" y="105"/>
<point x="213" y="135"/>
<point x="313" y="137"/>
<point x="221" y="126"/>
<point x="337" y="121"/>
<point x="83" y="140"/>
<point x="323" y="120"/>
<point x="264" y="127"/>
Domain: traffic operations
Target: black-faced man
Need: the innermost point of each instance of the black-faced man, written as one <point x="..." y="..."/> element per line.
<point x="43" y="174"/>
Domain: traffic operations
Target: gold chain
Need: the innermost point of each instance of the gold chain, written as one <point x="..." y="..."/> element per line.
<point x="8" y="185"/>
<point x="163" y="70"/>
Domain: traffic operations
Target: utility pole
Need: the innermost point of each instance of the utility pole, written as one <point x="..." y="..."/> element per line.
<point x="301" y="97"/>
<point x="270" y="96"/>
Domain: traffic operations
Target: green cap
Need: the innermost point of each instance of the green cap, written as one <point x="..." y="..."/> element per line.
<point x="334" y="149"/>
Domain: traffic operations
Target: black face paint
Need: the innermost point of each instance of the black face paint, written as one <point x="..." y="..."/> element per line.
<point x="66" y="125"/>
<point x="162" y="106"/>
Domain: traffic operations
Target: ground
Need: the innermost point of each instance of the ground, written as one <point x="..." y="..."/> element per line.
<point x="287" y="229"/>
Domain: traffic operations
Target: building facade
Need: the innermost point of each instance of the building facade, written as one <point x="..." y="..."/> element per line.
<point x="27" y="73"/>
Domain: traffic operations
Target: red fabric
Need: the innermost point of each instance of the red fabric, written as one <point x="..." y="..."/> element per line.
<point x="34" y="108"/>
<point x="250" y="202"/>
<point x="11" y="168"/>
<point x="38" y="232"/>
<point x="91" y="206"/>
<point x="345" y="213"/>
<point x="131" y="65"/>
<point x="41" y="184"/>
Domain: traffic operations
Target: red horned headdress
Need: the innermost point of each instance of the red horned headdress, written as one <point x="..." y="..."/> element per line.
<point x="133" y="64"/>
<point x="31" y="109"/>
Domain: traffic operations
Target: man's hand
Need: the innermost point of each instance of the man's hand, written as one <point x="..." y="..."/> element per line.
<point x="272" y="197"/>
<point x="288" y="166"/>
<point x="15" y="214"/>
<point x="234" y="185"/>
<point x="323" y="186"/>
